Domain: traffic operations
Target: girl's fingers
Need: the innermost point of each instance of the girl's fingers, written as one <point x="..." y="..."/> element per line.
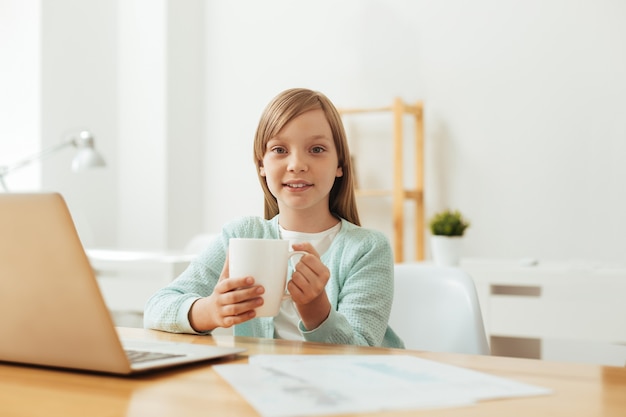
<point x="234" y="310"/>
<point x="306" y="247"/>
<point x="229" y="285"/>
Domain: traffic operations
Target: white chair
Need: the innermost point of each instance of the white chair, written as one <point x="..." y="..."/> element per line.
<point x="437" y="309"/>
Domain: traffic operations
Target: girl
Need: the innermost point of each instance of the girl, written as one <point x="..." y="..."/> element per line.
<point x="341" y="290"/>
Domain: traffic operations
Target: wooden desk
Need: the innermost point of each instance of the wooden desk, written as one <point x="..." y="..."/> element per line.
<point x="579" y="389"/>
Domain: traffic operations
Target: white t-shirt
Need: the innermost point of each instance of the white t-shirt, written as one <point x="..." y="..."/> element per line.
<point x="286" y="322"/>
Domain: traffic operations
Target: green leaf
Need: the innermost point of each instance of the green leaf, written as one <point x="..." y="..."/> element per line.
<point x="448" y="223"/>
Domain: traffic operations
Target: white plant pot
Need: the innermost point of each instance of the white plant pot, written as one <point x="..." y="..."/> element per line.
<point x="446" y="250"/>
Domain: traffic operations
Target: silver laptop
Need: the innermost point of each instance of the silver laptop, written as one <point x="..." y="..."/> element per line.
<point x="51" y="310"/>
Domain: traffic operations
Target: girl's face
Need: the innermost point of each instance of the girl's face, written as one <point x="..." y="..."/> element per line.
<point x="300" y="165"/>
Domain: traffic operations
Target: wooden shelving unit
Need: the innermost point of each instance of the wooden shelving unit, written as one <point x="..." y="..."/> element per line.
<point x="399" y="192"/>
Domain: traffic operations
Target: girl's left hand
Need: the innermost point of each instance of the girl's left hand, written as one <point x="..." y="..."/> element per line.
<point x="307" y="287"/>
<point x="309" y="277"/>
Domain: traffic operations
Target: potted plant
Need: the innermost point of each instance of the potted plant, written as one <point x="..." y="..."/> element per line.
<point x="447" y="228"/>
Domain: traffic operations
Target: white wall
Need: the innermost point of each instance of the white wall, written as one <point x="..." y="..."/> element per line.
<point x="58" y="78"/>
<point x="19" y="88"/>
<point x="142" y="70"/>
<point x="78" y="91"/>
<point x="160" y="117"/>
<point x="524" y="104"/>
<point x="129" y="71"/>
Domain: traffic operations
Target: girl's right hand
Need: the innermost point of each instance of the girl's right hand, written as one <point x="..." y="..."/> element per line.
<point x="232" y="302"/>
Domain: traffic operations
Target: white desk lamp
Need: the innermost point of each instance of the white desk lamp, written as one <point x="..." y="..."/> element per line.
<point x="86" y="158"/>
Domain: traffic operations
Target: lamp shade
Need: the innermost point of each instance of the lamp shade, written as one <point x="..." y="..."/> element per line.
<point x="86" y="157"/>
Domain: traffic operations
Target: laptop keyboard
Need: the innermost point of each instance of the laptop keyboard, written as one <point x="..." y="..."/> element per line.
<point x="138" y="356"/>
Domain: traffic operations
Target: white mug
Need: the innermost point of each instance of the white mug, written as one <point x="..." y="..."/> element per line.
<point x="267" y="261"/>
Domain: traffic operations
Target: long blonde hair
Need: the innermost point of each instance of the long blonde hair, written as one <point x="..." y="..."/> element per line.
<point x="280" y="111"/>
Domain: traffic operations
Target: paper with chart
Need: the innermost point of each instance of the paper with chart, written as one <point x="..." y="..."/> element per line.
<point x="303" y="385"/>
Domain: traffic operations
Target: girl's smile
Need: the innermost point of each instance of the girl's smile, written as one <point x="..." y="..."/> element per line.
<point x="298" y="186"/>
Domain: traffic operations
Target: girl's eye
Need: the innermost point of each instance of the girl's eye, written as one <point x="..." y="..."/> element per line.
<point x="317" y="149"/>
<point x="279" y="150"/>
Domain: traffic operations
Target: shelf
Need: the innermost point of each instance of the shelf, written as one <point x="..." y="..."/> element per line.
<point x="399" y="192"/>
<point x="373" y="193"/>
<point x="408" y="194"/>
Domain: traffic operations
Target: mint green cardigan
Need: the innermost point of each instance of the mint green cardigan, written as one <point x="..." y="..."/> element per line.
<point x="360" y="288"/>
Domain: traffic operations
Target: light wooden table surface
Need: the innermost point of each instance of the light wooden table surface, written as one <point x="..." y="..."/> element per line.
<point x="196" y="390"/>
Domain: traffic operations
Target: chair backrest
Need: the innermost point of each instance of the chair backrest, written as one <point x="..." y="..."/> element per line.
<point x="436" y="308"/>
